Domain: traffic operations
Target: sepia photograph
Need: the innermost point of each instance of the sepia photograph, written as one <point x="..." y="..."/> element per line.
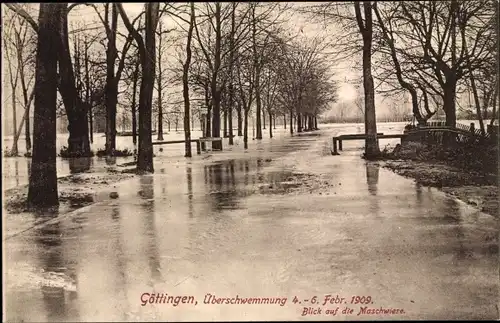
<point x="250" y="161"/>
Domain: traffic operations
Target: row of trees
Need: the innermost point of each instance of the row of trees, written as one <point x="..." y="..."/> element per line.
<point x="236" y="58"/>
<point x="432" y="50"/>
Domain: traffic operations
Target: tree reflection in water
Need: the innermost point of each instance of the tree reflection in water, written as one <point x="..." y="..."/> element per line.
<point x="79" y="165"/>
<point x="222" y="185"/>
<point x="372" y="175"/>
<point x="58" y="285"/>
<point x="147" y="193"/>
<point x="189" y="181"/>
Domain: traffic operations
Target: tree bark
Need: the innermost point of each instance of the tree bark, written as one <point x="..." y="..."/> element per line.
<point x="225" y="122"/>
<point x="14" y="150"/>
<point x="208" y="127"/>
<point x="145" y="154"/>
<point x="78" y="141"/>
<point x="366" y="29"/>
<point x="88" y="100"/>
<point x="215" y="89"/>
<point x="42" y="190"/>
<point x="24" y="87"/>
<point x="270" y="125"/>
<point x="159" y="85"/>
<point x="245" y="130"/>
<point x="231" y="74"/>
<point x="135" y="80"/>
<point x="13" y="83"/>
<point x="291" y="122"/>
<point x="449" y="107"/>
<point x="111" y="85"/>
<point x="477" y="104"/>
<point x="299" y="122"/>
<point x="495" y="97"/>
<point x="185" y="85"/>
<point x="256" y="66"/>
<point x="147" y="53"/>
<point x="240" y="119"/>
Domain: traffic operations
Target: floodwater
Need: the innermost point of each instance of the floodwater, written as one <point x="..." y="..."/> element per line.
<point x="201" y="227"/>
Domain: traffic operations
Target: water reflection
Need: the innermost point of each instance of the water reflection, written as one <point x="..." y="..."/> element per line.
<point x="372" y="174"/>
<point x="79" y="165"/>
<point x="29" y="167"/>
<point x="189" y="181"/>
<point x="452" y="214"/>
<point x="120" y="269"/>
<point x="222" y="184"/>
<point x="58" y="283"/>
<point x="110" y="160"/>
<point x="247" y="171"/>
<point x="147" y="193"/>
<point x="16" y="171"/>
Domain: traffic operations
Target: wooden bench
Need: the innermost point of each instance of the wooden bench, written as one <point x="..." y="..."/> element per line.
<point x="361" y="136"/>
<point x="204" y="140"/>
<point x="198" y="146"/>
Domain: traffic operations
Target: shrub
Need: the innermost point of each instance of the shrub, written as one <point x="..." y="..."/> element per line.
<point x="64" y="153"/>
<point x="115" y="153"/>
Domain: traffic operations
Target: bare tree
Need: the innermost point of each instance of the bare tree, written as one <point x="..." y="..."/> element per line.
<point x="365" y="25"/>
<point x="185" y="84"/>
<point x="43" y="178"/>
<point x="148" y="58"/>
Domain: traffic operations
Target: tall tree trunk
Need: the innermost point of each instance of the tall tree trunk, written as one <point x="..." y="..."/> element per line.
<point x="230" y="125"/>
<point x="42" y="190"/>
<point x="135" y="80"/>
<point x="159" y="85"/>
<point x="91" y="124"/>
<point x="284" y="120"/>
<point x="27" y="131"/>
<point x="450" y="87"/>
<point x="366" y="28"/>
<point x="208" y="126"/>
<point x="27" y="100"/>
<point x="299" y="122"/>
<point x="449" y="105"/>
<point x="270" y="125"/>
<point x="78" y="141"/>
<point x="14" y="150"/>
<point x="148" y="60"/>
<point x="240" y="119"/>
<point x="477" y="104"/>
<point x="231" y="74"/>
<point x="245" y="130"/>
<point x="88" y="101"/>
<point x="264" y="121"/>
<point x="185" y="85"/>
<point x="111" y="85"/>
<point x="291" y="121"/>
<point x="215" y="89"/>
<point x="13" y="84"/>
<point x="495" y="97"/>
<point x="225" y="122"/>
<point x="256" y="66"/>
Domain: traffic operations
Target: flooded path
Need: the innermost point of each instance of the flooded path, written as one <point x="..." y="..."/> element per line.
<point x="206" y="227"/>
